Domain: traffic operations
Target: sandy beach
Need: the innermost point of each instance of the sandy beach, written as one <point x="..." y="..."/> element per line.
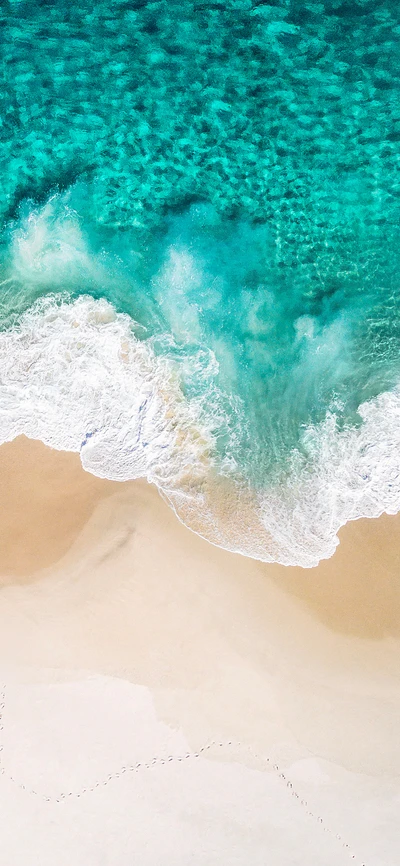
<point x="126" y="639"/>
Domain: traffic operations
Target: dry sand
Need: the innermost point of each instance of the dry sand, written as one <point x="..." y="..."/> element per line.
<point x="123" y="634"/>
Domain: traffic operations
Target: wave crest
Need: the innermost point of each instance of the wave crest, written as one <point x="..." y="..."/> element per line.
<point x="75" y="376"/>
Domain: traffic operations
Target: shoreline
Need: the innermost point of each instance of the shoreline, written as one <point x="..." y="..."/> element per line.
<point x="50" y="500"/>
<point x="136" y="594"/>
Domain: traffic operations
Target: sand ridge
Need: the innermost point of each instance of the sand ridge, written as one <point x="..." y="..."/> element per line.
<point x="45" y="500"/>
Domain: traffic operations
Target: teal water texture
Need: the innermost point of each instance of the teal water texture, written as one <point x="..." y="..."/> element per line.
<point x="226" y="175"/>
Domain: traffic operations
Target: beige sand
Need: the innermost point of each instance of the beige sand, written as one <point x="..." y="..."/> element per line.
<point x="46" y="500"/>
<point x="301" y="665"/>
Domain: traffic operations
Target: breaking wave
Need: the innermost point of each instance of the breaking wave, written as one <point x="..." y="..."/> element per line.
<point x="74" y="375"/>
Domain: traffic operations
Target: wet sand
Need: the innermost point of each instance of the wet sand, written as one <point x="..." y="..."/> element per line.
<point x="103" y="590"/>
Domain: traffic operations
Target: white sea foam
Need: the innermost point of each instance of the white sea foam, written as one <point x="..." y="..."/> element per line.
<point x="74" y="375"/>
<point x="340" y="475"/>
<point x="344" y="475"/>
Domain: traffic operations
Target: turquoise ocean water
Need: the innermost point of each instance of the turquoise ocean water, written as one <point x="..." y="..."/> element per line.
<point x="200" y="255"/>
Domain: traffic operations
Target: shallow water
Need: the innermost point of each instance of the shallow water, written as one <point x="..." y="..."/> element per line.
<point x="225" y="177"/>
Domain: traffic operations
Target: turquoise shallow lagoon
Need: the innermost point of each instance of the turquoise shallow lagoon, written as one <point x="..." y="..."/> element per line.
<point x="200" y="255"/>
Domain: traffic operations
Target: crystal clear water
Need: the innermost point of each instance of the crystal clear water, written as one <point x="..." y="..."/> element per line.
<point x="200" y="254"/>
